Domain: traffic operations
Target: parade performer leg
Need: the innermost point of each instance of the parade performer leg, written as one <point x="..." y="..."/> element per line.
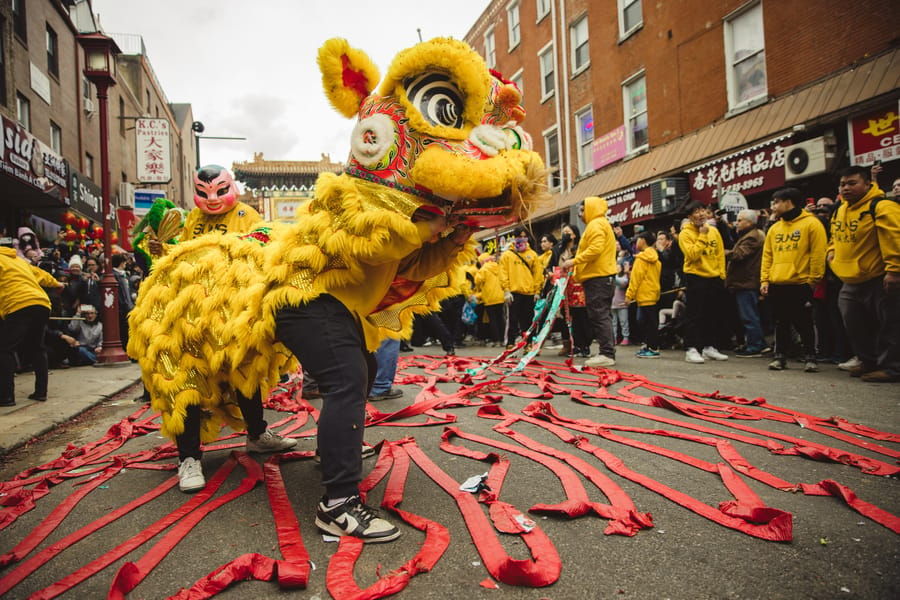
<point x="326" y="339"/>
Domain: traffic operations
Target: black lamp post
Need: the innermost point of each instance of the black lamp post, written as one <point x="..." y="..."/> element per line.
<point x="100" y="69"/>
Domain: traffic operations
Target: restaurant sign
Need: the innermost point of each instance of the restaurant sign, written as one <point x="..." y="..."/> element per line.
<point x="875" y="136"/>
<point x="752" y="170"/>
<point x="26" y="158"/>
<point x="630" y="206"/>
<point x="609" y="147"/>
<point x="154" y="154"/>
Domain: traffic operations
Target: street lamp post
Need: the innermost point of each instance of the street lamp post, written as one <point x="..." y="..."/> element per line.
<point x="198" y="128"/>
<point x="100" y="69"/>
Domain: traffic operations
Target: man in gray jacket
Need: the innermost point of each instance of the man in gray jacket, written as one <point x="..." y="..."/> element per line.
<point x="742" y="279"/>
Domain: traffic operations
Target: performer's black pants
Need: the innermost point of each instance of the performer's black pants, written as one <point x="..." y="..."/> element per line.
<point x="327" y="341"/>
<point x="792" y="305"/>
<point x="521" y="314"/>
<point x="188" y="442"/>
<point x="23" y="331"/>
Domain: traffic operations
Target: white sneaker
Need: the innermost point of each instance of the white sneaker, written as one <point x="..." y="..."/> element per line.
<point x="270" y="441"/>
<point x="849" y="365"/>
<point x="190" y="475"/>
<point x="713" y="354"/>
<point x="692" y="356"/>
<point x="600" y="360"/>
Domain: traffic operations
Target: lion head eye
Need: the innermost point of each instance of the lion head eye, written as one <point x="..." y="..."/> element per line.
<point x="437" y="98"/>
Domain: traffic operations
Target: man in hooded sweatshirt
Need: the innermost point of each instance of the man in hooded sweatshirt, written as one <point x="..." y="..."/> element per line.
<point x="793" y="262"/>
<point x="643" y="288"/>
<point x="865" y="255"/>
<point x="24" y="314"/>
<point x="594" y="267"/>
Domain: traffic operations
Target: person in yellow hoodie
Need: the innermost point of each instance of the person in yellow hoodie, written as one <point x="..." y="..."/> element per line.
<point x="865" y="254"/>
<point x="793" y="263"/>
<point x="24" y="314"/>
<point x="489" y="293"/>
<point x="521" y="275"/>
<point x="594" y="267"/>
<point x="704" y="277"/>
<point x="644" y="289"/>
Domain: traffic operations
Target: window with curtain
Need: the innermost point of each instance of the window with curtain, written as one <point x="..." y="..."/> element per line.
<point x="580" y="49"/>
<point x="634" y="93"/>
<point x="512" y="20"/>
<point x="746" y="57"/>
<point x="584" y="120"/>
<point x="545" y="57"/>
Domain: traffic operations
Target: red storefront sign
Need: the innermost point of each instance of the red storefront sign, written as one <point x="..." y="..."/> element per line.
<point x="750" y="171"/>
<point x="875" y="136"/>
<point x="126" y="220"/>
<point x="630" y="207"/>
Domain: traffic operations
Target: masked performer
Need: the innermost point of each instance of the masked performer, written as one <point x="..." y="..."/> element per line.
<point x="436" y="151"/>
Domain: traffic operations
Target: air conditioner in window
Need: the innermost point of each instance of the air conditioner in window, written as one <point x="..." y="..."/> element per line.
<point x="667" y="194"/>
<point x="126" y="195"/>
<point x="88" y="106"/>
<point x="807" y="158"/>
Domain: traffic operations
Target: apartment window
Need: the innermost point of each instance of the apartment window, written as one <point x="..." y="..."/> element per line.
<point x="490" y="49"/>
<point x="631" y="17"/>
<point x="89" y="165"/>
<point x="745" y="55"/>
<point x="634" y="99"/>
<point x="52" y="52"/>
<point x="55" y="138"/>
<point x="23" y="111"/>
<point x="2" y="62"/>
<point x="580" y="49"/>
<point x="20" y="23"/>
<point x="584" y="121"/>
<point x="517" y="79"/>
<point x="543" y="9"/>
<point x="551" y="151"/>
<point x="512" y="20"/>
<point x="546" y="59"/>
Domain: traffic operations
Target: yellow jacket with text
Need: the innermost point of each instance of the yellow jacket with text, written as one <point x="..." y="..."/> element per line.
<point x="488" y="290"/>
<point x="794" y="251"/>
<point x="22" y="283"/>
<point x="865" y="245"/>
<point x="704" y="253"/>
<point x="596" y="255"/>
<point x="240" y="219"/>
<point x="521" y="272"/>
<point x="643" y="287"/>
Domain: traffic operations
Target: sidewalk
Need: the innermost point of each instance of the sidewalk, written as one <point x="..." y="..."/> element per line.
<point x="71" y="392"/>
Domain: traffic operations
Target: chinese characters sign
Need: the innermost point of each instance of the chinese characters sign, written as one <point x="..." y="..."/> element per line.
<point x="748" y="171"/>
<point x="630" y="207"/>
<point x="609" y="147"/>
<point x="26" y="158"/>
<point x="875" y="136"/>
<point x="153" y="151"/>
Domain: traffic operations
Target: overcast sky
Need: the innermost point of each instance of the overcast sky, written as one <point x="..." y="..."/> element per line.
<point x="249" y="69"/>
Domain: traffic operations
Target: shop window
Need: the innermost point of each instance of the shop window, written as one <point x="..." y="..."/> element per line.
<point x="55" y="137"/>
<point x="551" y="152"/>
<point x="578" y="34"/>
<point x="631" y="17"/>
<point x="584" y="120"/>
<point x="490" y="49"/>
<point x="52" y="52"/>
<point x="634" y="99"/>
<point x="23" y="111"/>
<point x="512" y="20"/>
<point x="545" y="57"/>
<point x="745" y="57"/>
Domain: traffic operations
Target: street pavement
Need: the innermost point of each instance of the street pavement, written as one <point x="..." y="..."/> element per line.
<point x="834" y="552"/>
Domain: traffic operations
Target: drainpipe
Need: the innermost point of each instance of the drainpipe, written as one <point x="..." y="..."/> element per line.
<point x="564" y="54"/>
<point x="559" y="125"/>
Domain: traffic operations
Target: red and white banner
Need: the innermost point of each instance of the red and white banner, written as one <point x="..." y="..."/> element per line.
<point x="875" y="136"/>
<point x="154" y="154"/>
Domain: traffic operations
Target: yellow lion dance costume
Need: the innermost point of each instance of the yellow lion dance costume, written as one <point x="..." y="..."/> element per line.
<point x="439" y="138"/>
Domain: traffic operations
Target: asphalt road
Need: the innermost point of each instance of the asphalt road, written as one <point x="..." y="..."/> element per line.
<point x="834" y="552"/>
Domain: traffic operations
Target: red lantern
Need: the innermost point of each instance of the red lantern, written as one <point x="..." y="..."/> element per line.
<point x="114" y="238"/>
<point x="82" y="223"/>
<point x="82" y="236"/>
<point x="69" y="218"/>
<point x="70" y="235"/>
<point x="97" y="232"/>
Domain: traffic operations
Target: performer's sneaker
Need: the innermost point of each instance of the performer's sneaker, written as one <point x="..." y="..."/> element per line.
<point x="354" y="518"/>
<point x="190" y="475"/>
<point x="712" y="353"/>
<point x="270" y="441"/>
<point x="600" y="360"/>
<point x="647" y="353"/>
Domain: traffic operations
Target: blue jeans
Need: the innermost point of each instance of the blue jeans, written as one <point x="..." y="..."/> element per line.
<point x="748" y="311"/>
<point x="386" y="362"/>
